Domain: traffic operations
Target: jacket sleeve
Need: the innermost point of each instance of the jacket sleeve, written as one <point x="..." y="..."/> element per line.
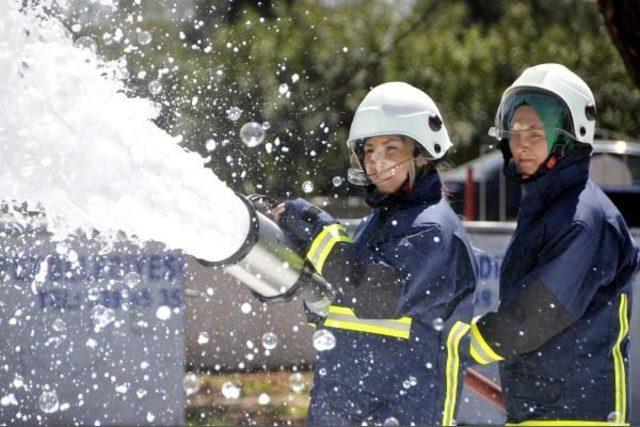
<point x="555" y="293"/>
<point x="421" y="271"/>
<point x="372" y="288"/>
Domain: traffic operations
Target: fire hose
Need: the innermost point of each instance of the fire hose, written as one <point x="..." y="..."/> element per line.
<point x="484" y="388"/>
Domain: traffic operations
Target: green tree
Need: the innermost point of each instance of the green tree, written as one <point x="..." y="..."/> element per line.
<point x="464" y="53"/>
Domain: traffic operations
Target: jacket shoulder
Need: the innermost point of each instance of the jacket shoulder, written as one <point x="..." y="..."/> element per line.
<point x="441" y="218"/>
<point x="588" y="207"/>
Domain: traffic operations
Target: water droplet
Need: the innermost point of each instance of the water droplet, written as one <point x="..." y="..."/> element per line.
<point x="264" y="399"/>
<point x="413" y="381"/>
<point x="246" y="308"/>
<point x="438" y="324"/>
<point x="9" y="399"/>
<point x="266" y="125"/>
<point x="614" y="417"/>
<point x="391" y="421"/>
<point x="48" y="402"/>
<point x="322" y="372"/>
<point x="59" y="325"/>
<point x="307" y="187"/>
<point x="230" y="390"/>
<point x="102" y="316"/>
<point x="429" y="365"/>
<point x="150" y="417"/>
<point x="283" y="88"/>
<point x="210" y="145"/>
<point x="252" y="134"/>
<point x="269" y="340"/>
<point x="337" y="181"/>
<point x="295" y="78"/>
<point x="203" y="338"/>
<point x="163" y="312"/>
<point x="144" y="37"/>
<point x="93" y="294"/>
<point x="155" y="87"/>
<point x="86" y="42"/>
<point x="234" y="113"/>
<point x="323" y="340"/>
<point x="406" y="384"/>
<point x="436" y="239"/>
<point x="191" y="384"/>
<point x="18" y="381"/>
<point x="132" y="279"/>
<point x="141" y="393"/>
<point x="72" y="256"/>
<point x="122" y="388"/>
<point x="296" y="382"/>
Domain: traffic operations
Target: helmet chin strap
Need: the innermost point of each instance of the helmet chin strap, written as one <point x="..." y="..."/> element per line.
<point x="369" y="175"/>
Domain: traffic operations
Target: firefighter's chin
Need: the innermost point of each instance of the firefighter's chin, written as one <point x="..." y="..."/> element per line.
<point x="388" y="185"/>
<point x="526" y="167"/>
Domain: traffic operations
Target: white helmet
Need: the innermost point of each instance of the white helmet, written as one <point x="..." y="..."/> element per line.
<point x="556" y="81"/>
<point x="397" y="108"/>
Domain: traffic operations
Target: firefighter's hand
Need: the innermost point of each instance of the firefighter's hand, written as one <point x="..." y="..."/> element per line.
<point x="301" y="219"/>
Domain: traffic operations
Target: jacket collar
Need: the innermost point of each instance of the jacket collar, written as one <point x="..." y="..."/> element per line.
<point x="427" y="190"/>
<point x="570" y="172"/>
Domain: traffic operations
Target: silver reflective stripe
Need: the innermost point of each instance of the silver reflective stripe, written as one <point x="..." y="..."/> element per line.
<point x="480" y="350"/>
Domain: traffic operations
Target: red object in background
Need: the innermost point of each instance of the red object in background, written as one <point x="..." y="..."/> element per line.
<point x="484" y="387"/>
<point x="469" y="196"/>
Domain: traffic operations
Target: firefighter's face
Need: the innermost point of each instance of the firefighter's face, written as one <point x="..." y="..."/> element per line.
<point x="527" y="141"/>
<point x="387" y="161"/>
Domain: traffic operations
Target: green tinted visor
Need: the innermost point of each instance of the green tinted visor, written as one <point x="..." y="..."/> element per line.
<point x="552" y="112"/>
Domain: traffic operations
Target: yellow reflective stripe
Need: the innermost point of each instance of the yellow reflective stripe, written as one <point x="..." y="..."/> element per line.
<point x="324" y="242"/>
<point x="620" y="379"/>
<point x="344" y="318"/>
<point x="336" y="309"/>
<point x="316" y="242"/>
<point x="458" y="330"/>
<point x="322" y="257"/>
<point x="366" y="327"/>
<point x="562" y="423"/>
<point x="480" y="350"/>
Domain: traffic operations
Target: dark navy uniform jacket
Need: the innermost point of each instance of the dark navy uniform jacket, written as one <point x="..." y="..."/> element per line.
<point x="561" y="330"/>
<point x="406" y="367"/>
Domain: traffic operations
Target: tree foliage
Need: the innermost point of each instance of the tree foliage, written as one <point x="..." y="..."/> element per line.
<point x="214" y="55"/>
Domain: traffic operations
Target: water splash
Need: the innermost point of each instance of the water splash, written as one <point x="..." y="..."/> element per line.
<point x="74" y="145"/>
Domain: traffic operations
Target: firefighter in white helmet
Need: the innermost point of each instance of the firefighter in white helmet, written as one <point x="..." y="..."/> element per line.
<point x="405" y="279"/>
<point x="561" y="331"/>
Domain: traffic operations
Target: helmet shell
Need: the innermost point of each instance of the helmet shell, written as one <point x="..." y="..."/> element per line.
<point x="565" y="85"/>
<point x="397" y="108"/>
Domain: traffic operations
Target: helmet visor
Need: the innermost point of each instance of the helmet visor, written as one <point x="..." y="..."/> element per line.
<point x="530" y="114"/>
<point x="371" y="163"/>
